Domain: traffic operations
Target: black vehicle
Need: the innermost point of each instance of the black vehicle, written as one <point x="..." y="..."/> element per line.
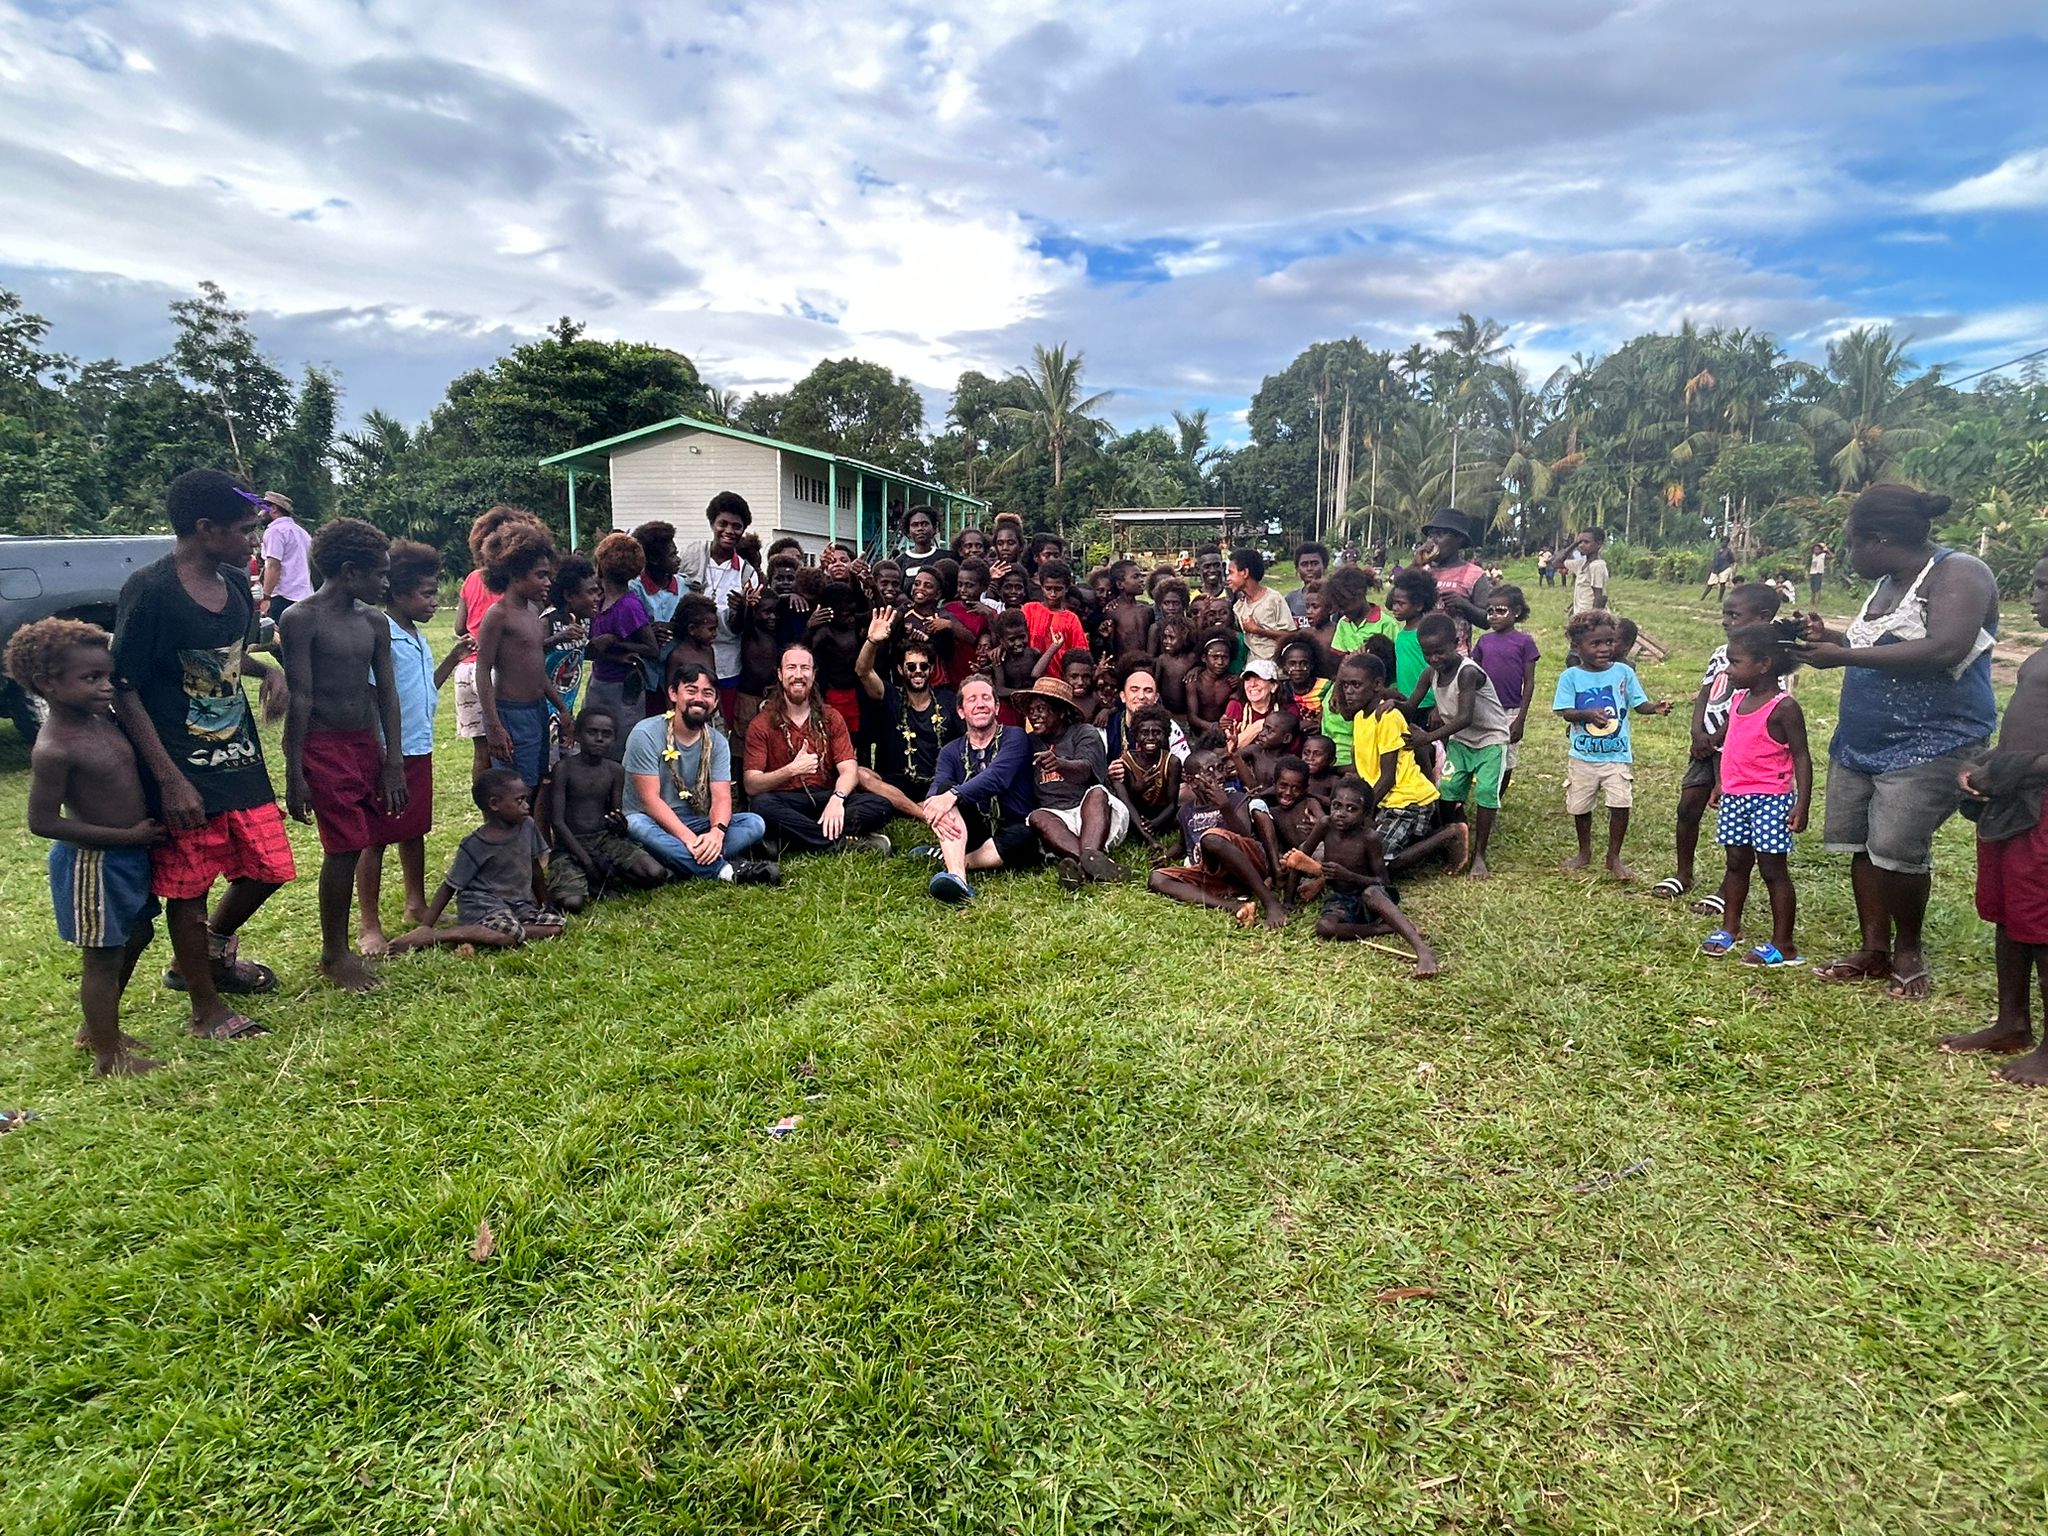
<point x="70" y="578"/>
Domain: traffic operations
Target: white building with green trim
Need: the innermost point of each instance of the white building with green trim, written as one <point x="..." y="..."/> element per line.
<point x="670" y="471"/>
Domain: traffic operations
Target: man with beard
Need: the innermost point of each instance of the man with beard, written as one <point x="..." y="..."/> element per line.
<point x="801" y="774"/>
<point x="915" y="719"/>
<point x="715" y="567"/>
<point x="980" y="803"/>
<point x="1077" y="818"/>
<point x="679" y="788"/>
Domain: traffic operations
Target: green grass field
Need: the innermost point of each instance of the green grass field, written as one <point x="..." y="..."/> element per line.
<point x="1102" y="1216"/>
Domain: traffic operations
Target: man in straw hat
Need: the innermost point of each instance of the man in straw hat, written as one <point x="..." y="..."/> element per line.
<point x="1077" y="819"/>
<point x="287" y="550"/>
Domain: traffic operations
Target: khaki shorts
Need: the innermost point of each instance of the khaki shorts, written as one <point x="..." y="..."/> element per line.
<point x="1585" y="782"/>
<point x="469" y="710"/>
<point x="1119" y="820"/>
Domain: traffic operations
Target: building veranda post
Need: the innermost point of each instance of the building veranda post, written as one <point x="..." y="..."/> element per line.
<point x="670" y="471"/>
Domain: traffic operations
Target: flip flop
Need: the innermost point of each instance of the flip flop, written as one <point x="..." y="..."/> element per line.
<point x="231" y="973"/>
<point x="1843" y="971"/>
<point x="1718" y="943"/>
<point x="1903" y="979"/>
<point x="1670" y="888"/>
<point x="1769" y="956"/>
<point x="1709" y="905"/>
<point x="236" y="1026"/>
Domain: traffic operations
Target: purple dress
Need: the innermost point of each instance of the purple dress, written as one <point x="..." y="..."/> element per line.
<point x="1505" y="658"/>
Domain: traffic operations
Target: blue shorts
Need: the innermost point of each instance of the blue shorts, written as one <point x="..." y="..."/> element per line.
<point x="102" y="895"/>
<point x="527" y="724"/>
<point x="1762" y="822"/>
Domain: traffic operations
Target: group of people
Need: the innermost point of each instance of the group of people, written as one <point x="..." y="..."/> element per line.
<point x="1272" y="751"/>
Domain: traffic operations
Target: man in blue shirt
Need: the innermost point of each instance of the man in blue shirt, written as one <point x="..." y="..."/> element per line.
<point x="981" y="796"/>
<point x="679" y="783"/>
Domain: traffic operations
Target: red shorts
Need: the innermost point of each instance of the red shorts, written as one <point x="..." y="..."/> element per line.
<point x="417" y="819"/>
<point x="2012" y="884"/>
<point x="344" y="770"/>
<point x="235" y="845"/>
<point x="1211" y="878"/>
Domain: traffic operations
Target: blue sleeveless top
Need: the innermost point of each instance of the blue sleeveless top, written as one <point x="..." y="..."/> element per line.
<point x="1893" y="720"/>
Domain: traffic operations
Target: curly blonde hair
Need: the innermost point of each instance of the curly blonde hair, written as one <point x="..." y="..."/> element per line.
<point x="37" y="650"/>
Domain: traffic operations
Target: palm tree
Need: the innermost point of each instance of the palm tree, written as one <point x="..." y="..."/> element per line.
<point x="1055" y="413"/>
<point x="1414" y="364"/>
<point x="1474" y="343"/>
<point x="373" y="450"/>
<point x="1524" y="472"/>
<point x="1194" y="435"/>
<point x="1864" y="416"/>
<point x="1571" y="386"/>
<point x="1414" y="474"/>
<point x="722" y="406"/>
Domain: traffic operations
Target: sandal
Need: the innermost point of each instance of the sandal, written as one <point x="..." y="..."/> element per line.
<point x="231" y="973"/>
<point x="1709" y="905"/>
<point x="1903" y="984"/>
<point x="1770" y="957"/>
<point x="1670" y="888"/>
<point x="1718" y="943"/>
<point x="1852" y="970"/>
<point x="236" y="1026"/>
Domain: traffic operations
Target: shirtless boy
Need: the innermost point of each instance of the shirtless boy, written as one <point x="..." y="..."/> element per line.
<point x="1126" y="623"/>
<point x="336" y="644"/>
<point x="512" y="683"/>
<point x="99" y="861"/>
<point x="588" y="814"/>
<point x="1211" y="689"/>
<point x="1357" y="904"/>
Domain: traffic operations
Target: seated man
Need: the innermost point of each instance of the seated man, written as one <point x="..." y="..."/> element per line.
<point x="1077" y="817"/>
<point x="801" y="775"/>
<point x="915" y="720"/>
<point x="980" y="803"/>
<point x="679" y="787"/>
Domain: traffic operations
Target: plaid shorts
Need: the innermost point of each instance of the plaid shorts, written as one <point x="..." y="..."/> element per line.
<point x="514" y="924"/>
<point x="1400" y="826"/>
<point x="235" y="845"/>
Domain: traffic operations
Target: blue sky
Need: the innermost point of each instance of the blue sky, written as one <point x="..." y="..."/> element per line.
<point x="1188" y="193"/>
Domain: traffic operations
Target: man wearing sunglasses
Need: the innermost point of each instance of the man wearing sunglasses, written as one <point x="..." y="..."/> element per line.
<point x="916" y="718"/>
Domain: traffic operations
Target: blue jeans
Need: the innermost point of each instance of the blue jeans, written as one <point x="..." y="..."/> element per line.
<point x="745" y="830"/>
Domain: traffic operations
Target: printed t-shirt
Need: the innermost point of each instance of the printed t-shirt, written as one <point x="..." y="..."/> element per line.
<point x="185" y="664"/>
<point x="1375" y="735"/>
<point x="1615" y="688"/>
<point x="490" y="877"/>
<point x="564" y="660"/>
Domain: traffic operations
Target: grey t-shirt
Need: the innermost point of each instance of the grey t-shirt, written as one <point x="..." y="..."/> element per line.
<point x="1084" y="742"/>
<point x="1490" y="723"/>
<point x="644" y="748"/>
<point x="493" y="877"/>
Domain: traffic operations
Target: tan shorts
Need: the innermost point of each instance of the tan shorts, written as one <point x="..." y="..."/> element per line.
<point x="1119" y="820"/>
<point x="469" y="711"/>
<point x="1585" y="782"/>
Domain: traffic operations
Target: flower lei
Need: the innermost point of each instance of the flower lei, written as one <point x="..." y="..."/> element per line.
<point x="935" y="717"/>
<point x="697" y="797"/>
<point x="975" y="762"/>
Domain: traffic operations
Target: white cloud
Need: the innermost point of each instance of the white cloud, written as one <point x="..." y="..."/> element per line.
<point x="2019" y="182"/>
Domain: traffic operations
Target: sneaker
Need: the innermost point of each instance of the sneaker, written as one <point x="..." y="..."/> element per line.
<point x="755" y="872"/>
<point x="949" y="887"/>
<point x="922" y="851"/>
<point x="874" y="842"/>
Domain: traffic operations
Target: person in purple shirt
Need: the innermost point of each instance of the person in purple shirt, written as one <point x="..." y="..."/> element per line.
<point x="981" y="796"/>
<point x="1508" y="656"/>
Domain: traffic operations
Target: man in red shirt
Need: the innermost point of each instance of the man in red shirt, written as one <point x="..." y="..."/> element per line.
<point x="800" y="772"/>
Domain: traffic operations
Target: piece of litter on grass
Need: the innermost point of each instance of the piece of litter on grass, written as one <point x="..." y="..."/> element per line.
<point x="485" y="1245"/>
<point x="15" y="1119"/>
<point x="783" y="1127"/>
<point x="1407" y="1293"/>
<point x="1424" y="1071"/>
<point x="1593" y="1186"/>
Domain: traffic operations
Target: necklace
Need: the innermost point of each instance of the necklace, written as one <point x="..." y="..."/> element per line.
<point x="698" y="796"/>
<point x="1149" y="783"/>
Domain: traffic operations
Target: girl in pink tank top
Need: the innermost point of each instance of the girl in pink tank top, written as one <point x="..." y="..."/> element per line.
<point x="1766" y="794"/>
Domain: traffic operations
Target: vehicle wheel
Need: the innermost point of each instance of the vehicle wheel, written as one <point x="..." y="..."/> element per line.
<point x="27" y="711"/>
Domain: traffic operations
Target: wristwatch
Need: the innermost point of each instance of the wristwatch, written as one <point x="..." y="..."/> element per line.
<point x="719" y="826"/>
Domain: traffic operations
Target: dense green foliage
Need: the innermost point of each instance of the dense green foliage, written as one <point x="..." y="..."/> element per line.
<point x="1668" y="440"/>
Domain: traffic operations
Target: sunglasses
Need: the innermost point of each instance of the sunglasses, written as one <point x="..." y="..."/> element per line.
<point x="917" y="666"/>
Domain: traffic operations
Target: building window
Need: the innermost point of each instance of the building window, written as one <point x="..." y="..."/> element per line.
<point x="808" y="488"/>
<point x="846" y="498"/>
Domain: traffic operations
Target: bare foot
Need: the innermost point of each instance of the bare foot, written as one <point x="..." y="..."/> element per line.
<point x="1276" y="914"/>
<point x="1999" y="1039"/>
<point x="416" y="919"/>
<point x="349" y="973"/>
<point x="1577" y="862"/>
<point x="372" y="943"/>
<point x="125" y="1063"/>
<point x="418" y="938"/>
<point x="1479" y="871"/>
<point x="1427" y="965"/>
<point x="128" y="1043"/>
<point x="1247" y="913"/>
<point x="2029" y="1071"/>
<point x="1619" y="870"/>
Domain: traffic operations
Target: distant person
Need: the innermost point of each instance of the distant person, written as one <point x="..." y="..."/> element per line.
<point x="1589" y="573"/>
<point x="287" y="550"/>
<point x="1311" y="563"/>
<point x="1817" y="567"/>
<point x="1546" y="566"/>
<point x="1721" y="571"/>
<point x="1462" y="583"/>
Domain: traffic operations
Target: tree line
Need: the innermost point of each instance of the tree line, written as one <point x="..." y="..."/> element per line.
<point x="1668" y="441"/>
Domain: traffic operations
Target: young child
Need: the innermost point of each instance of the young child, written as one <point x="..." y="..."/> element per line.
<point x="1408" y="802"/>
<point x="1126" y="624"/>
<point x="1595" y="698"/>
<point x="1766" y="792"/>
<point x="1474" y="730"/>
<point x="1211" y="690"/>
<point x="1411" y="594"/>
<point x="1351" y="612"/>
<point x="1346" y="698"/>
<point x="1016" y="666"/>
<point x="1078" y="672"/>
<point x="1320" y="754"/>
<point x="589" y="820"/>
<point x="99" y="855"/>
<point x="1299" y="660"/>
<point x="1150" y="783"/>
<point x="1174" y="660"/>
<point x="969" y="617"/>
<point x="1357" y="901"/>
<point x="412" y="595"/>
<point x="572" y="603"/>
<point x="472" y="603"/>
<point x="696" y="636"/>
<point x="1295" y="815"/>
<point x="2004" y="795"/>
<point x="337" y="770"/>
<point x="1226" y="866"/>
<point x="498" y="881"/>
<point x="1509" y="655"/>
<point x="837" y="624"/>
<point x="1055" y="628"/>
<point x="1754" y="602"/>
<point x="512" y="682"/>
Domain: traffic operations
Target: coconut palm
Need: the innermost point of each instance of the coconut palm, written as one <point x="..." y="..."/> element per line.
<point x="373" y="450"/>
<point x="1864" y="415"/>
<point x="1194" y="435"/>
<point x="1523" y="472"/>
<point x="1055" y="414"/>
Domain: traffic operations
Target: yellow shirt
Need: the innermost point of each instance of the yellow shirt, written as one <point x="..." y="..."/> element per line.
<point x="1372" y="737"/>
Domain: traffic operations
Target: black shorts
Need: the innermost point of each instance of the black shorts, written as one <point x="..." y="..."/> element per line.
<point x="1348" y="906"/>
<point x="1702" y="772"/>
<point x="1016" y="844"/>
